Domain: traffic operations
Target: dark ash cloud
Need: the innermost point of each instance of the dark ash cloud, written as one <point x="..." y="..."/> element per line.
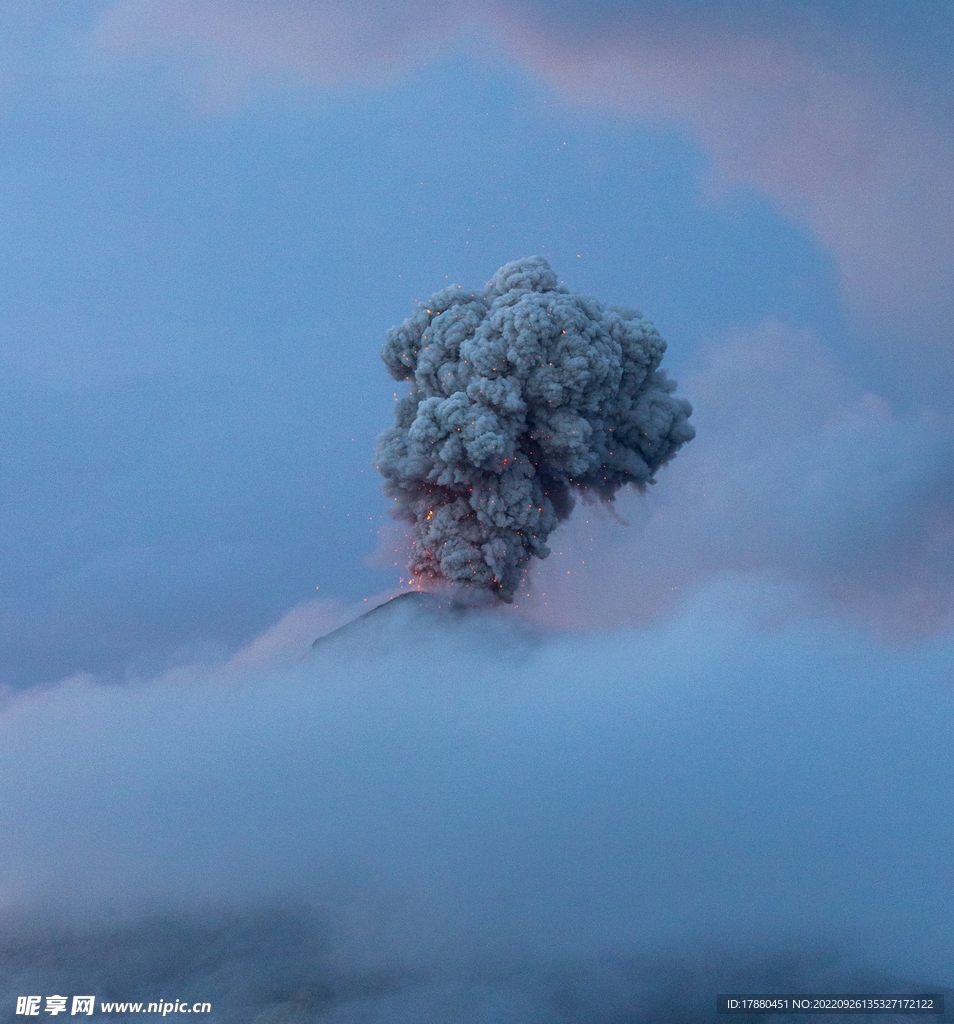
<point x="523" y="397"/>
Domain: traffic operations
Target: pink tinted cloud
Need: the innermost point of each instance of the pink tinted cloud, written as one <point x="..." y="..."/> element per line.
<point x="322" y="43"/>
<point x="817" y="127"/>
<point x="831" y="142"/>
<point x="797" y="477"/>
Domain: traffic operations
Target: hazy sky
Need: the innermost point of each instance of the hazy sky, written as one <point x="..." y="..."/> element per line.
<point x="210" y="213"/>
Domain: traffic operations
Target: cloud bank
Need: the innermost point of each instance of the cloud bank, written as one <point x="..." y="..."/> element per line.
<point x="798" y="474"/>
<point x="860" y="155"/>
<point x="441" y="819"/>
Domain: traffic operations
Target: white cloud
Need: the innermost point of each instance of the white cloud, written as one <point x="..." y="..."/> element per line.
<point x="464" y="787"/>
<point x="796" y="475"/>
<point x="832" y="141"/>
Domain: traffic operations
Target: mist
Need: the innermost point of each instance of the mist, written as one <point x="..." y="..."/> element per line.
<point x="461" y="816"/>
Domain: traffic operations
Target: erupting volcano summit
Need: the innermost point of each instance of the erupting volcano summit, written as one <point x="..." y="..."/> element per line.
<point x="523" y="395"/>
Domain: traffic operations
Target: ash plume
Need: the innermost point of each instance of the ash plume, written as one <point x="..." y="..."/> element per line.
<point x="523" y="396"/>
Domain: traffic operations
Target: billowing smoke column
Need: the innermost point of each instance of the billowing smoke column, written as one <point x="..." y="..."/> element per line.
<point x="523" y="395"/>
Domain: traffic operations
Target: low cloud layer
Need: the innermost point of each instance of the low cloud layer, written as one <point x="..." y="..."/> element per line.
<point x="464" y="798"/>
<point x="281" y="963"/>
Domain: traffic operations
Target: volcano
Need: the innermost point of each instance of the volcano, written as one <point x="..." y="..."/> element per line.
<point x="413" y="609"/>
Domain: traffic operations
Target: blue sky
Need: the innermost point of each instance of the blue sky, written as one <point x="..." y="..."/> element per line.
<point x="210" y="214"/>
<point x="203" y="247"/>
